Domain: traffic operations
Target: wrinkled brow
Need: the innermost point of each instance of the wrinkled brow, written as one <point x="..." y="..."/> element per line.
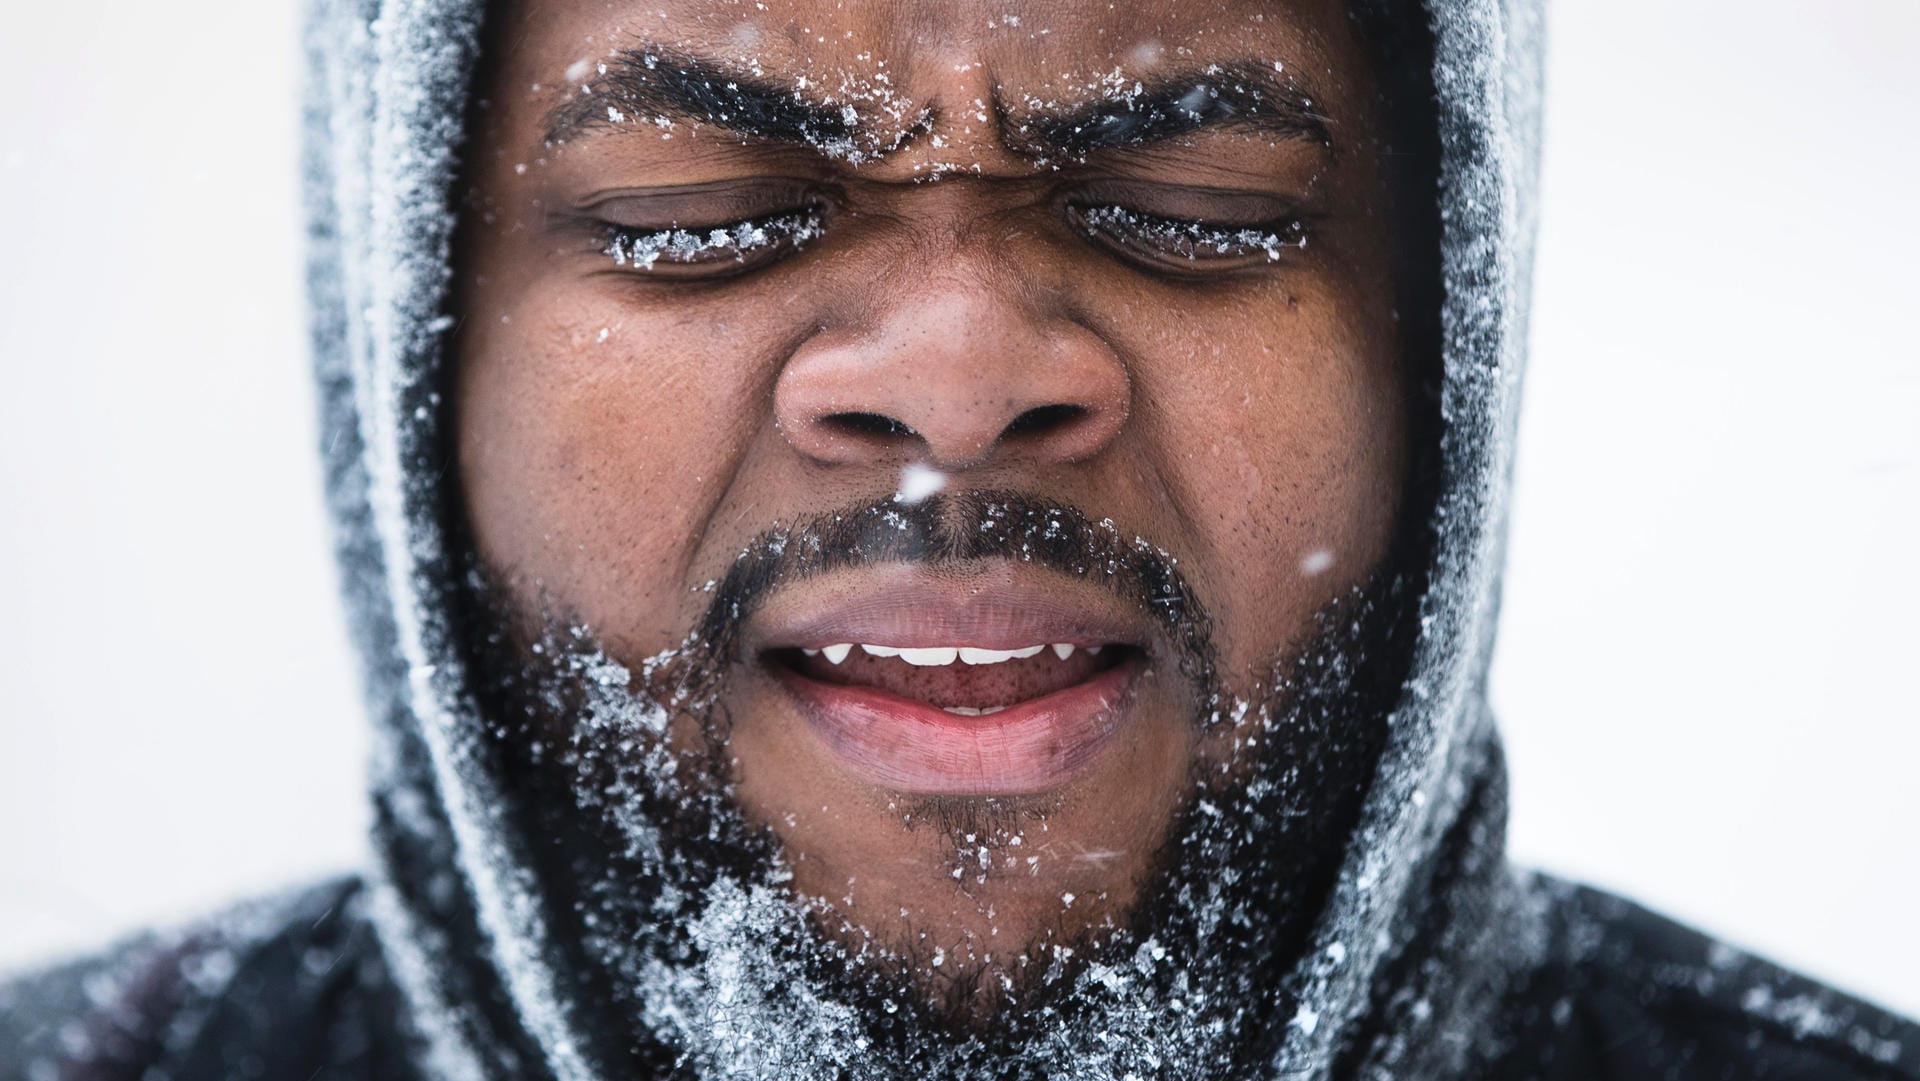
<point x="650" y="84"/>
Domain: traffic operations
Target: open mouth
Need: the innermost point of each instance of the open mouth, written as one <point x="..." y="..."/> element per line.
<point x="997" y="694"/>
<point x="966" y="681"/>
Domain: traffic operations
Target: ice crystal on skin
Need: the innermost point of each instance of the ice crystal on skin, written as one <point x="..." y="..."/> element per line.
<point x="1316" y="563"/>
<point x="917" y="482"/>
<point x="869" y="106"/>
<point x="641" y="250"/>
<point x="1194" y="240"/>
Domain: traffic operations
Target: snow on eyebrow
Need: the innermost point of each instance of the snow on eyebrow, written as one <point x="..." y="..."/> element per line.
<point x="1117" y="107"/>
<point x="859" y="116"/>
<point x="852" y="116"/>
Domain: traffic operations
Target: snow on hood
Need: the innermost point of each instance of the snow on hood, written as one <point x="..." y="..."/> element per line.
<point x="1406" y="957"/>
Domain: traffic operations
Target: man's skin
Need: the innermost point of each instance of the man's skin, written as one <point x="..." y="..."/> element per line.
<point x="625" y="429"/>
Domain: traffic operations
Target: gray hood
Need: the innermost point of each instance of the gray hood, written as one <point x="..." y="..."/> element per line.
<point x="1425" y="922"/>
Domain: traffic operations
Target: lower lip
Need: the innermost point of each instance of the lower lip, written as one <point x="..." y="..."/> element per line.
<point x="907" y="746"/>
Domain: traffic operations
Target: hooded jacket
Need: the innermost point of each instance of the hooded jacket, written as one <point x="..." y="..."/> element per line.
<point x="1432" y="957"/>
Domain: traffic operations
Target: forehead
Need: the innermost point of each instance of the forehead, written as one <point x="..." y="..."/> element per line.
<point x="923" y="47"/>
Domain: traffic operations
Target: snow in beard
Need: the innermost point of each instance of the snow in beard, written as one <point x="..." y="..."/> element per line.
<point x="720" y="962"/>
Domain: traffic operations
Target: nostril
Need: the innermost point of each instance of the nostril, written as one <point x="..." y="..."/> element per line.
<point x="865" y="424"/>
<point x="1045" y="418"/>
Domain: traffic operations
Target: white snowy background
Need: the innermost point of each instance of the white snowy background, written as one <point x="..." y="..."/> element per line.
<point x="1708" y="662"/>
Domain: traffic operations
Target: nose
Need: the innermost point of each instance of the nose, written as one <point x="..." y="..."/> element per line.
<point x="958" y="373"/>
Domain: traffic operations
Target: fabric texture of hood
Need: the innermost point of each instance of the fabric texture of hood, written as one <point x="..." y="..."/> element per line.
<point x="1425" y="922"/>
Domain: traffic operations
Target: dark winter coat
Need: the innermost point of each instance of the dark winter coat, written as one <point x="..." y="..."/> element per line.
<point x="297" y="988"/>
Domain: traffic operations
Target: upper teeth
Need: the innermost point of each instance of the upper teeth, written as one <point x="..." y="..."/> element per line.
<point x="938" y="656"/>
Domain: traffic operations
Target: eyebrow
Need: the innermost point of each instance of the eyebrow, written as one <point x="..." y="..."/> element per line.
<point x="656" y="85"/>
<point x="1245" y="96"/>
<point x="652" y="85"/>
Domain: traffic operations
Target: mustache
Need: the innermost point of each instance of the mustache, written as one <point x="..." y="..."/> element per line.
<point x="956" y="528"/>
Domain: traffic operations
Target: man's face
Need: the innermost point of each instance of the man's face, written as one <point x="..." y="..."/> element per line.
<point x="733" y="267"/>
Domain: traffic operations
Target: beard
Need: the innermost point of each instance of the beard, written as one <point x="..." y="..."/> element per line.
<point x="692" y="955"/>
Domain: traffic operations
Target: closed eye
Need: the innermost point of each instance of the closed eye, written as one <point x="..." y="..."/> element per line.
<point x="1185" y="244"/>
<point x="720" y="250"/>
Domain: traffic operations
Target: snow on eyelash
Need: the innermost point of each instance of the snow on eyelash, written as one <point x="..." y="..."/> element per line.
<point x="642" y="249"/>
<point x="1194" y="236"/>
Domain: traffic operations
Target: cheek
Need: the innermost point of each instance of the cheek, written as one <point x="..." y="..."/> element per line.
<point x="593" y="441"/>
<point x="1292" y="470"/>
